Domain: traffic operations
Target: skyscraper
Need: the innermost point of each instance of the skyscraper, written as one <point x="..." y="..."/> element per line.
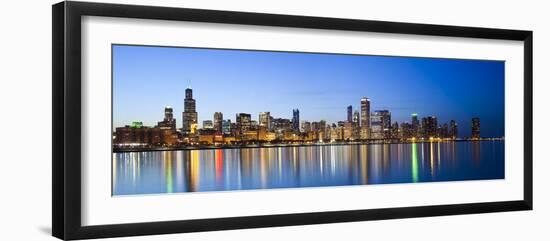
<point x="265" y="120"/>
<point x="207" y="124"/>
<point x="406" y="130"/>
<point x="348" y="130"/>
<point x="387" y="124"/>
<point x="415" y="125"/>
<point x="189" y="114"/>
<point x="218" y="119"/>
<point x="429" y="127"/>
<point x="356" y="118"/>
<point x="322" y="125"/>
<point x="168" y="113"/>
<point x="395" y="130"/>
<point x="296" y="120"/>
<point x="476" y="128"/>
<point x="306" y="126"/>
<point x="243" y="122"/>
<point x="380" y="124"/>
<point x="365" y="118"/>
<point x="169" y="122"/>
<point x="226" y="127"/>
<point x="350" y="113"/>
<point x="356" y="125"/>
<point x="454" y="129"/>
<point x="444" y="131"/>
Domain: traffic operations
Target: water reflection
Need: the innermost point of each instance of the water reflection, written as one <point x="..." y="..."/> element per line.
<point x="306" y="166"/>
<point x="414" y="163"/>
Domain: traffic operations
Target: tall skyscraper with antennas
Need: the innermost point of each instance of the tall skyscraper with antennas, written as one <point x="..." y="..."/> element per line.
<point x="189" y="115"/>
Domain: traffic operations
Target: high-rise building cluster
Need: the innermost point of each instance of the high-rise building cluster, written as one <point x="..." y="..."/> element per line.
<point x="137" y="135"/>
<point x="359" y="125"/>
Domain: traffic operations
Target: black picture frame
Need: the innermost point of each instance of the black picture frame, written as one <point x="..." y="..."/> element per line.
<point x="66" y="127"/>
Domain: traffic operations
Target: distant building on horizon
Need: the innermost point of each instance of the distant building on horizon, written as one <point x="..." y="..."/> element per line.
<point x="365" y="118"/>
<point x="265" y="120"/>
<point x="406" y="130"/>
<point x="356" y="118"/>
<point x="429" y="127"/>
<point x="244" y="122"/>
<point x="169" y="121"/>
<point x="444" y="131"/>
<point x="296" y="120"/>
<point x="454" y="129"/>
<point x="218" y="119"/>
<point x="226" y="127"/>
<point x="415" y="125"/>
<point x="306" y="126"/>
<point x="350" y="113"/>
<point x="348" y="130"/>
<point x="207" y="124"/>
<point x="476" y="128"/>
<point x="356" y="125"/>
<point x="189" y="115"/>
<point x="137" y="135"/>
<point x="253" y="124"/>
<point x="380" y="124"/>
<point x="281" y="125"/>
<point x="395" y="130"/>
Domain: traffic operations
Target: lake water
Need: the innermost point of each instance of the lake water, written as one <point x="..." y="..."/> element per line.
<point x="304" y="166"/>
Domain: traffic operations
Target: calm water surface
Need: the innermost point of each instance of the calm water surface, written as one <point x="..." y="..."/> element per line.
<point x="305" y="166"/>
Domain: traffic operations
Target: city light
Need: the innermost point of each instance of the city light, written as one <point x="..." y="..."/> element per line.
<point x="360" y="127"/>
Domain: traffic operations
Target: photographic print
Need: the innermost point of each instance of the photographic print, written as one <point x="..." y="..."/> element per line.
<point x="202" y="119"/>
<point x="287" y="119"/>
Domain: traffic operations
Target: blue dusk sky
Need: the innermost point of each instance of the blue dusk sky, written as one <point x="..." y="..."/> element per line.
<point x="321" y="86"/>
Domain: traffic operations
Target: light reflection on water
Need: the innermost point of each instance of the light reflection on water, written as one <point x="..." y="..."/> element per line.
<point x="304" y="166"/>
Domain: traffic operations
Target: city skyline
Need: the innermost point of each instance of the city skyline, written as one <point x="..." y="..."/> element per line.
<point x="209" y="100"/>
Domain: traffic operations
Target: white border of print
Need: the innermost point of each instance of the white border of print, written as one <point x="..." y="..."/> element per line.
<point x="99" y="207"/>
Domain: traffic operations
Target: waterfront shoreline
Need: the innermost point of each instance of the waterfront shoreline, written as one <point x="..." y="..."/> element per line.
<point x="214" y="147"/>
<point x="216" y="170"/>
